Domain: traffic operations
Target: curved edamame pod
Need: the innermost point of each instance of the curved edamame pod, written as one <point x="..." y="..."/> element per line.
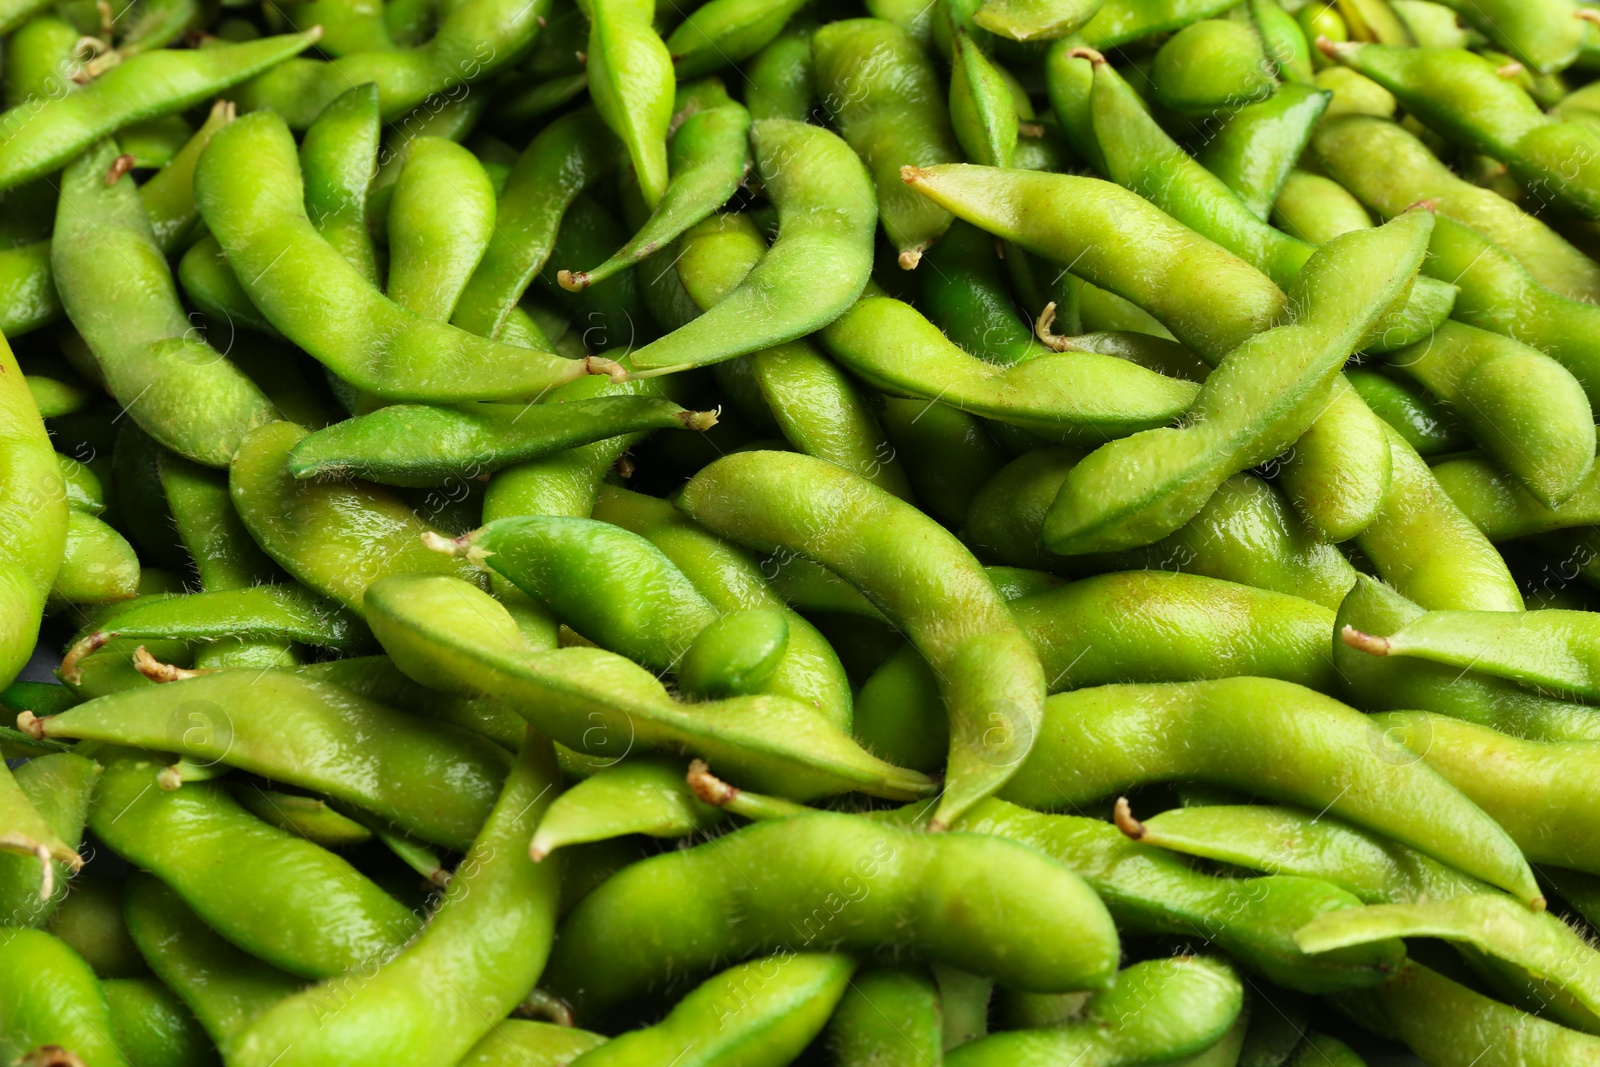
<point x="1499" y="504"/>
<point x="725" y="32"/>
<point x="631" y="82"/>
<point x="780" y="82"/>
<point x="1211" y="65"/>
<point x="98" y="566"/>
<point x="1072" y="396"/>
<point x="1260" y="398"/>
<point x="637" y="796"/>
<point x="1121" y="22"/>
<point x="1339" y="470"/>
<point x="733" y="582"/>
<point x="452" y="636"/>
<point x="432" y="781"/>
<point x="783" y="1002"/>
<point x="1317" y="209"/>
<point x="338" y="159"/>
<point x="46" y="801"/>
<point x="417" y="444"/>
<point x="286" y="612"/>
<point x="710" y="156"/>
<point x="224" y="987"/>
<point x="286" y="900"/>
<point x="1523" y="407"/>
<point x="248" y="186"/>
<point x="1159" y="1011"/>
<point x="1119" y="241"/>
<point x="881" y="89"/>
<point x="119" y="295"/>
<point x="38" y="137"/>
<point x="473" y="40"/>
<point x="990" y="676"/>
<point x="840" y="880"/>
<point x="50" y="1001"/>
<point x="1389" y="169"/>
<point x="890" y="1016"/>
<point x="1426" y="426"/>
<point x="826" y="213"/>
<point x="566" y="157"/>
<point x="1380" y="683"/>
<point x="983" y="112"/>
<point x="1256" y="148"/>
<point x="152" y="1025"/>
<point x="500" y="903"/>
<point x="1258" y="733"/>
<point x="441" y="219"/>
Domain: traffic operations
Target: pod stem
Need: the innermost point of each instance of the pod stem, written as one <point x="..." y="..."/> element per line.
<point x="1056" y="342"/>
<point x="1122" y="815"/>
<point x="161" y="673"/>
<point x="540" y="1004"/>
<point x="1084" y="52"/>
<point x="70" y="672"/>
<point x="699" y="420"/>
<point x="1588" y="14"/>
<point x="602" y="365"/>
<point x="1340" y="50"/>
<point x="719" y="794"/>
<point x="1378" y="646"/>
<point x="573" y="281"/>
<point x="27" y="846"/>
<point x="119" y="166"/>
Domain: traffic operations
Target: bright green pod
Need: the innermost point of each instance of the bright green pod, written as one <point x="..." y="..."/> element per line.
<point x="50" y="999"/>
<point x="168" y="195"/>
<point x="153" y="1027"/>
<point x="1072" y="396"/>
<point x="1317" y="209"/>
<point x="46" y="801"/>
<point x="906" y="888"/>
<point x="637" y="796"/>
<point x="521" y="1043"/>
<point x="1389" y="170"/>
<point x="222" y="985"/>
<point x="1257" y="147"/>
<point x="212" y="286"/>
<point x="965" y="294"/>
<point x="34" y="515"/>
<point x="1545" y="34"/>
<point x="498" y="903"/>
<point x="1521" y="406"/>
<point x="989" y="675"/>
<point x="881" y="89"/>
<point x="1339" y="471"/>
<point x="709" y="155"/>
<point x="1380" y="683"/>
<point x="783" y="1002"/>
<point x="1120" y="22"/>
<point x="434" y="782"/>
<point x="889" y="1017"/>
<point x="1035" y="20"/>
<point x="421" y="445"/>
<point x="1427" y="427"/>
<point x="98" y="566"/>
<point x="286" y="900"/>
<point x="1422" y="544"/>
<point x="180" y="390"/>
<point x="736" y="655"/>
<point x="724" y="32"/>
<point x="336" y="539"/>
<point x="823" y="248"/>
<point x="1213" y="63"/>
<point x="983" y="113"/>
<point x="440" y="223"/>
<point x="249" y="188"/>
<point x="451" y="636"/>
<point x="1283" y="41"/>
<point x="1260" y="398"/>
<point x="1159" y="1011"/>
<point x="1256" y="734"/>
<point x="631" y="82"/>
<point x="39" y="137"/>
<point x="1500" y="505"/>
<point x="780" y="82"/>
<point x="1119" y="241"/>
<point x="1432" y="24"/>
<point x="309" y="817"/>
<point x="39" y="60"/>
<point x="282" y="612"/>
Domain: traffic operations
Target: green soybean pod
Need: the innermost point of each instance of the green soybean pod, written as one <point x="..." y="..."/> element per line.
<point x="637" y="796"/>
<point x="33" y="516"/>
<point x="1500" y="505"/>
<point x="46" y="803"/>
<point x="338" y="158"/>
<point x="1198" y="729"/>
<point x="153" y="1027"/>
<point x="1121" y="22"/>
<point x="223" y="986"/>
<point x="168" y="195"/>
<point x="50" y="1001"/>
<point x="725" y="32"/>
<point x="498" y="902"/>
<point x="1446" y="1022"/>
<point x="780" y="80"/>
<point x="631" y="82"/>
<point x="98" y="565"/>
<point x="783" y="1002"/>
<point x="1426" y="548"/>
<point x="1427" y="427"/>
<point x="983" y="112"/>
<point x="183" y="392"/>
<point x="881" y="88"/>
<point x="1211" y="64"/>
<point x="1255" y="151"/>
<point x="905" y="884"/>
<point x="889" y="1017"/>
<point x="947" y="454"/>
<point x="1339" y="470"/>
<point x="37" y="140"/>
<point x="1283" y="41"/>
<point x="989" y="675"/>
<point x="1317" y="209"/>
<point x="337" y="539"/>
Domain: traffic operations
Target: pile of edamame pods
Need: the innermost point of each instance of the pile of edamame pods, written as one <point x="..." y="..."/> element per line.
<point x="1000" y="533"/>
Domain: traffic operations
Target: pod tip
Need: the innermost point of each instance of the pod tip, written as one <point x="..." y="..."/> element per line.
<point x="699" y="420"/>
<point x="910" y="258"/>
<point x="31" y="724"/>
<point x="572" y="282"/>
<point x="1084" y="52"/>
<point x="912" y="175"/>
<point x="707" y="786"/>
<point x="1364" y="642"/>
<point x="1122" y="815"/>
<point x="159" y="672"/>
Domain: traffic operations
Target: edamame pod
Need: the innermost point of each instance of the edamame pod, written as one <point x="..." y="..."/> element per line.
<point x="40" y="136"/>
<point x="499" y="903"/>
<point x="286" y="612"/>
<point x="990" y="677"/>
<point x="724" y="32"/>
<point x="1339" y="470"/>
<point x="51" y="1006"/>
<point x="1119" y="241"/>
<point x="1210" y="65"/>
<point x="1427" y="427"/>
<point x="1121" y="22"/>
<point x="983" y="113"/>
<point x="780" y="82"/>
<point x="1256" y="148"/>
<point x="881" y="89"/>
<point x="46" y="801"/>
<point x="890" y="1016"/>
<point x="631" y="83"/>
<point x="432" y="781"/>
<point x="844" y="881"/>
<point x="1159" y="1011"/>
<point x="338" y="159"/>
<point x="249" y="189"/>
<point x="783" y="1002"/>
<point x="826" y="212"/>
<point x="1317" y="209"/>
<point x="285" y="899"/>
<point x="440" y="222"/>
<point x="1500" y="505"/>
<point x="1226" y="732"/>
<point x="153" y="1027"/>
<point x="452" y="636"/>
<point x="638" y="796"/>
